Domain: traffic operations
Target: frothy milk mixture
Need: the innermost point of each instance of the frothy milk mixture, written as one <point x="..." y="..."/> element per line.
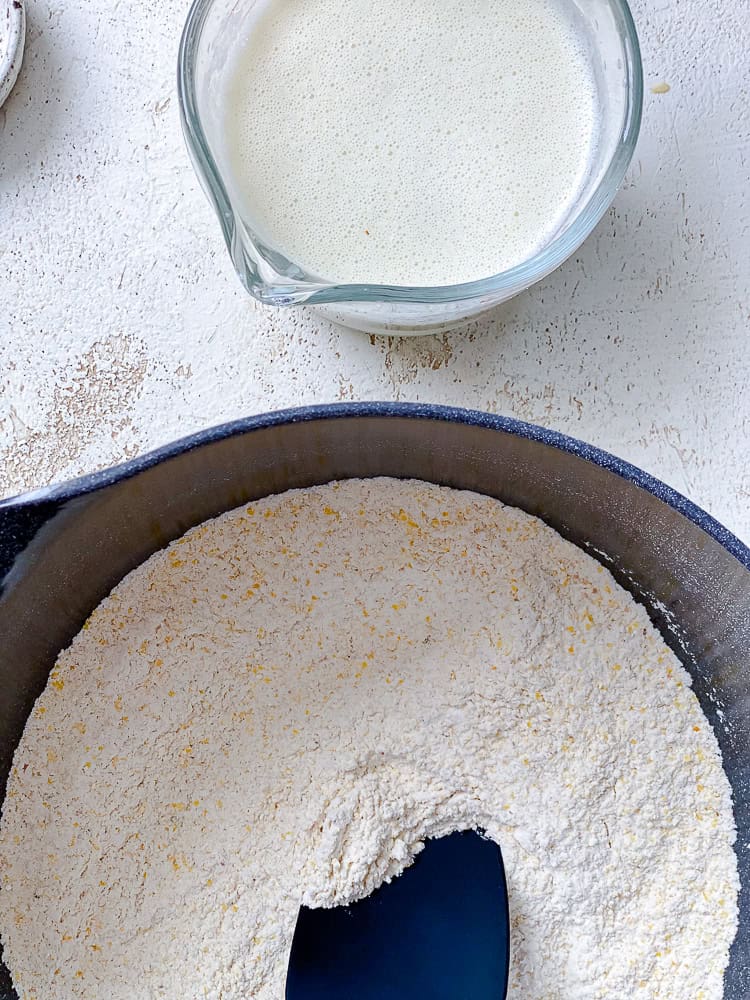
<point x="409" y="143"/>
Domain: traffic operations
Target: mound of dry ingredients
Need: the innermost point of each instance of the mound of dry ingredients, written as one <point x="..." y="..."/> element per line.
<point x="284" y="703"/>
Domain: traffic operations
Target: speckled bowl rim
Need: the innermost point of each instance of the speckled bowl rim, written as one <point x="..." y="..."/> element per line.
<point x="12" y="38"/>
<point x="411" y="411"/>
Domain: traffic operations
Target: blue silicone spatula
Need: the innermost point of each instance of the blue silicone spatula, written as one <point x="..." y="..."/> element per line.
<point x="440" y="931"/>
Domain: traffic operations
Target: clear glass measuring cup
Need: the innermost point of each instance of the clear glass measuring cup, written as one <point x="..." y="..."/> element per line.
<point x="212" y="30"/>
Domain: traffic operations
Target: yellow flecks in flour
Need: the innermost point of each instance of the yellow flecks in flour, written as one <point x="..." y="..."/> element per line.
<point x="292" y="697"/>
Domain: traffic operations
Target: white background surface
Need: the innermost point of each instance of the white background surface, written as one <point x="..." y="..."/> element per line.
<point x="122" y="324"/>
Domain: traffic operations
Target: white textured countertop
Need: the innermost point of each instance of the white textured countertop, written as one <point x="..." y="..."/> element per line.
<point x="122" y="324"/>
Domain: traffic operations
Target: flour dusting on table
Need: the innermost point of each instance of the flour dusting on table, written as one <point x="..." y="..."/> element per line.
<point x="284" y="703"/>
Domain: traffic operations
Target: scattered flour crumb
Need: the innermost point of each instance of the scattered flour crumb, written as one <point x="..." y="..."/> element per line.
<point x="282" y="705"/>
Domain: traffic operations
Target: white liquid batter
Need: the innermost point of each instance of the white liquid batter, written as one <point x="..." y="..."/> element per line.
<point x="410" y="143"/>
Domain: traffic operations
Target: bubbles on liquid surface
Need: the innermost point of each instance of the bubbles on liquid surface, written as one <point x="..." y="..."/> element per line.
<point x="425" y="144"/>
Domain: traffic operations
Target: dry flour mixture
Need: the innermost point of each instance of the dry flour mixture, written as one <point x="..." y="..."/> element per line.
<point x="284" y="703"/>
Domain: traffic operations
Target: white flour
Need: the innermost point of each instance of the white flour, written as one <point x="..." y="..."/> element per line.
<point x="283" y="704"/>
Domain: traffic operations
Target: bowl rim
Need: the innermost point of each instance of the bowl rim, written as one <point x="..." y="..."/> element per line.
<point x="13" y="12"/>
<point x="274" y="280"/>
<point x="83" y="485"/>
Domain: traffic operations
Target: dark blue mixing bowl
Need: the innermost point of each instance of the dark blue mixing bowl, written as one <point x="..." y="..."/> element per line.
<point x="64" y="548"/>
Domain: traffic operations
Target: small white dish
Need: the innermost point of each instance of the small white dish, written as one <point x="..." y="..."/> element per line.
<point x="12" y="37"/>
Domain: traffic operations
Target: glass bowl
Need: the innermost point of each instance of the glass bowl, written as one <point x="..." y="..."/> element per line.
<point x="212" y="31"/>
